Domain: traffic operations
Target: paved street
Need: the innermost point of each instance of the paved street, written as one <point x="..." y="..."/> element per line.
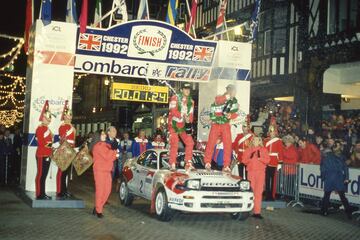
<point x="18" y="221"/>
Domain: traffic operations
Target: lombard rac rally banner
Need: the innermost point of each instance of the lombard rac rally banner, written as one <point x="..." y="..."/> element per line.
<point x="145" y="49"/>
<point x="310" y="183"/>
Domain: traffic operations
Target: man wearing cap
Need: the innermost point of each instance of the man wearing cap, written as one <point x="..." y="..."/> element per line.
<point x="181" y="116"/>
<point x="275" y="147"/>
<point x="241" y="143"/>
<point x="44" y="139"/>
<point x="222" y="111"/>
<point x="66" y="133"/>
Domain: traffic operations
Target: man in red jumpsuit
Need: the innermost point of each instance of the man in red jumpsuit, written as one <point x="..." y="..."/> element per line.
<point x="66" y="133"/>
<point x="241" y="143"/>
<point x="256" y="158"/>
<point x="222" y="111"/>
<point x="181" y="116"/>
<point x="44" y="139"/>
<point x="275" y="147"/>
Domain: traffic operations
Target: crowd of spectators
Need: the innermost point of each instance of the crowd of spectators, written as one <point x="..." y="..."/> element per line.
<point x="336" y="128"/>
<point x="11" y="141"/>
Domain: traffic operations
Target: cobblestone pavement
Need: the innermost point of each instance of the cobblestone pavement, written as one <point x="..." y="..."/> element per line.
<point x="18" y="221"/>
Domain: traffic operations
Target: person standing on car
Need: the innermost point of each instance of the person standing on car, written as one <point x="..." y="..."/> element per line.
<point x="181" y="117"/>
<point x="103" y="156"/>
<point x="256" y="157"/>
<point x="224" y="108"/>
<point x="335" y="174"/>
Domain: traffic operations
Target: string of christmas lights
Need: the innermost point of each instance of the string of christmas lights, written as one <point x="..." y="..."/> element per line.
<point x="14" y="52"/>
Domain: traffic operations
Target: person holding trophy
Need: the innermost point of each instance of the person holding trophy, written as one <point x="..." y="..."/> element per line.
<point x="222" y="111"/>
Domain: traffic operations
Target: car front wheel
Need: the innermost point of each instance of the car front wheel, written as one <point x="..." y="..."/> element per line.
<point x="126" y="198"/>
<point x="241" y="216"/>
<point x="163" y="212"/>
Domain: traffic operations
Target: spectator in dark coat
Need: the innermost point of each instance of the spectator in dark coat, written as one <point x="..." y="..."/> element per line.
<point x="2" y="158"/>
<point x="335" y="175"/>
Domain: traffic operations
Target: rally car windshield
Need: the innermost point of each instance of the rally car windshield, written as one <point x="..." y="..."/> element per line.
<point x="197" y="160"/>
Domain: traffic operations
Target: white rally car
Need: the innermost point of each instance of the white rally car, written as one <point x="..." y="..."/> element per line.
<point x="148" y="176"/>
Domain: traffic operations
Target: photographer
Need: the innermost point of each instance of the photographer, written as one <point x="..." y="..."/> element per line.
<point x="335" y="175"/>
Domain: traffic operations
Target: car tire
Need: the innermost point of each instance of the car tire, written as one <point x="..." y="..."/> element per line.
<point x="162" y="210"/>
<point x="126" y="198"/>
<point x="241" y="216"/>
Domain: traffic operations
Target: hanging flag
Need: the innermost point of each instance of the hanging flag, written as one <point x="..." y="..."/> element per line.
<point x="28" y="22"/>
<point x="143" y="12"/>
<point x="172" y="11"/>
<point x="71" y="15"/>
<point x="98" y="14"/>
<point x="45" y="12"/>
<point x="254" y="20"/>
<point x="121" y="12"/>
<point x="220" y="23"/>
<point x="83" y="16"/>
<point x="191" y="24"/>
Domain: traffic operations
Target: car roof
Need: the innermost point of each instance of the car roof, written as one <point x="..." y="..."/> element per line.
<point x="159" y="151"/>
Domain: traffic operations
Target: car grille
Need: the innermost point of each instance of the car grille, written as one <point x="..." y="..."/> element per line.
<point x="221" y="205"/>
<point x="222" y="197"/>
<point x="220" y="189"/>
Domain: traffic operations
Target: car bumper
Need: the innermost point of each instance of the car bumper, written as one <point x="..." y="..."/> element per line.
<point x="203" y="201"/>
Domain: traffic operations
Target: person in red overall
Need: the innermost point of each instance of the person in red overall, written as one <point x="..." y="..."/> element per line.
<point x="222" y="111"/>
<point x="308" y="152"/>
<point x="241" y="143"/>
<point x="275" y="148"/>
<point x="44" y="139"/>
<point x="66" y="133"/>
<point x="158" y="142"/>
<point x="104" y="158"/>
<point x="256" y="157"/>
<point x="181" y="115"/>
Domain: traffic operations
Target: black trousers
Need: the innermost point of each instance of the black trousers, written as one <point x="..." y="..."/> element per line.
<point x="269" y="182"/>
<point x="61" y="186"/>
<point x="43" y="165"/>
<point x="2" y="168"/>
<point x="343" y="199"/>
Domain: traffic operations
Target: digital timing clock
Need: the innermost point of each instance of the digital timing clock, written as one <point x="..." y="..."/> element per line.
<point x="139" y="93"/>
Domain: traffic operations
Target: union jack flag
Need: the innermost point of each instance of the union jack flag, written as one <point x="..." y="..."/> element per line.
<point x="220" y="23"/>
<point x="90" y="42"/>
<point x="203" y="53"/>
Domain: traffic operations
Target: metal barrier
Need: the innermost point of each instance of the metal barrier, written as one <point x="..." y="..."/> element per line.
<point x="287" y="183"/>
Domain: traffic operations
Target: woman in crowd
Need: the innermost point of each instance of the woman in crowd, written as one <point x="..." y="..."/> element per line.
<point x="256" y="157"/>
<point x="103" y="157"/>
<point x="335" y="175"/>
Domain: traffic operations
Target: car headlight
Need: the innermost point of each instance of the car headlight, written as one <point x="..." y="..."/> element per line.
<point x="244" y="185"/>
<point x="193" y="184"/>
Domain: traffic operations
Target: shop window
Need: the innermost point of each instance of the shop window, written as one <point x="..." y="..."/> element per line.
<point x="267" y="42"/>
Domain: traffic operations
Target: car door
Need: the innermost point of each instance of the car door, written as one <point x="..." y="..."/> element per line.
<point x="143" y="172"/>
<point x="151" y="167"/>
<point x="136" y="168"/>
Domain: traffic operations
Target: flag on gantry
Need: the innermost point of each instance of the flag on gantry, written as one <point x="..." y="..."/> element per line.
<point x="143" y="12"/>
<point x="121" y="9"/>
<point x="254" y="20"/>
<point x="71" y="15"/>
<point x="220" y="23"/>
<point x="45" y="12"/>
<point x="83" y="16"/>
<point x="98" y="14"/>
<point x="191" y="24"/>
<point x="172" y="11"/>
<point x="28" y="22"/>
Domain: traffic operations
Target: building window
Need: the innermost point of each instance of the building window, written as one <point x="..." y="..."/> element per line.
<point x="267" y="42"/>
<point x="260" y="45"/>
<point x="280" y="17"/>
<point x="342" y="15"/>
<point x="279" y="41"/>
